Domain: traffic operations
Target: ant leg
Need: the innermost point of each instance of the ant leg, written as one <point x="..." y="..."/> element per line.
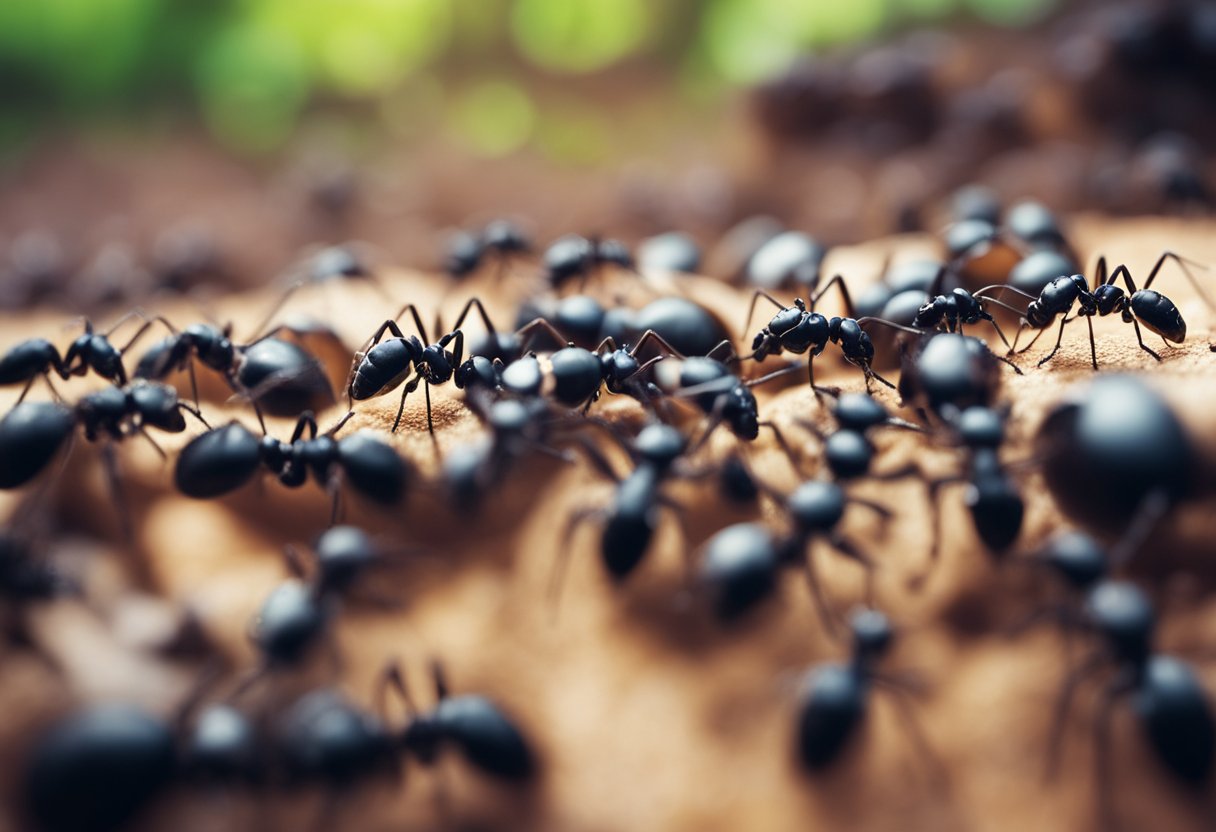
<point x="558" y="576"/>
<point x="849" y="549"/>
<point x="26" y="389"/>
<point x="651" y="335"/>
<point x="1059" y="715"/>
<point x="711" y="424"/>
<point x="430" y="425"/>
<point x="539" y="323"/>
<point x="933" y="493"/>
<point x="195" y="412"/>
<point x="1093" y="349"/>
<point x="850" y="311"/>
<point x="1152" y="509"/>
<point x="248" y="680"/>
<point x="405" y="391"/>
<point x="1183" y="263"/>
<point x="751" y="310"/>
<point x="786" y="448"/>
<point x="755" y="382"/>
<point x="295" y="562"/>
<point x="911" y="723"/>
<point x="731" y="354"/>
<point x="259" y="331"/>
<point x="818" y="599"/>
<point x="481" y="310"/>
<point x="305" y="422"/>
<point x="599" y="463"/>
<point x="413" y="310"/>
<point x="336" y="509"/>
<point x="870" y="373"/>
<point x="810" y="378"/>
<point x="341" y="423"/>
<point x="1004" y="359"/>
<point x="1056" y="348"/>
<point x="1140" y="338"/>
<point x="155" y="446"/>
<point x="999" y="331"/>
<point x="391" y="679"/>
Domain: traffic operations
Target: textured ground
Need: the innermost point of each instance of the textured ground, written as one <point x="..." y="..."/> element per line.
<point x="648" y="716"/>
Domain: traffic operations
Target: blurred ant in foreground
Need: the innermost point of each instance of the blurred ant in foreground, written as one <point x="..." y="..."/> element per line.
<point x="465" y="252"/>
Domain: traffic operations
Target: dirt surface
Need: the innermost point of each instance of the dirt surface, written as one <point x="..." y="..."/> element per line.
<point x="646" y="713"/>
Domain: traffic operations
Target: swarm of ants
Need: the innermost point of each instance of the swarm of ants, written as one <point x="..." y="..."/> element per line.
<point x="1115" y="458"/>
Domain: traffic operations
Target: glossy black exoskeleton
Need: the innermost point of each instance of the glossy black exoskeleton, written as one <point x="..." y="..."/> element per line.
<point x="991" y="496"/>
<point x="1137" y="306"/>
<point x="37" y="358"/>
<point x="278" y="376"/>
<point x="32" y="433"/>
<point x="466" y="251"/>
<point x="323" y="739"/>
<point x="944" y="373"/>
<point x="670" y="252"/>
<point x="740" y="564"/>
<point x="633" y="516"/>
<point x="473" y="725"/>
<point x="97" y="769"/>
<point x="1115" y="455"/>
<point x="789" y="260"/>
<point x="220" y="746"/>
<point x="1164" y="693"/>
<point x="572" y="256"/>
<point x="953" y="311"/>
<point x="576" y="377"/>
<point x="800" y="330"/>
<point x="835" y="696"/>
<point x="226" y="458"/>
<point x="385" y="364"/>
<point x="721" y="395"/>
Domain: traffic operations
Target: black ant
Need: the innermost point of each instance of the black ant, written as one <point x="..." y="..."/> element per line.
<point x="800" y="330"/>
<point x="787" y="259"/>
<point x="1167" y="697"/>
<point x="835" y="696"/>
<point x="277" y="376"/>
<point x="991" y="496"/>
<point x="385" y="364"/>
<point x="32" y="433"/>
<point x="466" y="251"/>
<point x="37" y="358"/>
<point x="471" y="724"/>
<point x="574" y="256"/>
<point x="114" y="759"/>
<point x="739" y="564"/>
<point x="517" y="426"/>
<point x="1116" y="456"/>
<point x="631" y="520"/>
<point x="579" y="376"/>
<point x="226" y="458"/>
<point x="1144" y="306"/>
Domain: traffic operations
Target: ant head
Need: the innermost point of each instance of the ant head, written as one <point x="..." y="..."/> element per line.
<point x="619" y="365"/>
<point x="343" y="552"/>
<point x="660" y="444"/>
<point x="981" y="427"/>
<point x="872" y="633"/>
<point x="505" y="237"/>
<point x="615" y="252"/>
<point x="848" y="453"/>
<point x="859" y="411"/>
<point x="1124" y="616"/>
<point x="1077" y="557"/>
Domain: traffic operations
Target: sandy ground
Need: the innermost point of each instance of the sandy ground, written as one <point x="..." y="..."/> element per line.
<point x="647" y="714"/>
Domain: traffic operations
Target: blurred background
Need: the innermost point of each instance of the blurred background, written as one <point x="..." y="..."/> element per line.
<point x="152" y="144"/>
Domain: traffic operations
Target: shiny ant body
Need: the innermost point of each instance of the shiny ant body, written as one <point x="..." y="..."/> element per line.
<point x="465" y="251"/>
<point x="801" y="330"/>
<point x="278" y="376"/>
<point x="573" y="256"/>
<point x="740" y="564"/>
<point x="226" y="458"/>
<point x="835" y="697"/>
<point x="1136" y="306"/>
<point x="1164" y="692"/>
<point x="36" y="358"/>
<point x="32" y="433"/>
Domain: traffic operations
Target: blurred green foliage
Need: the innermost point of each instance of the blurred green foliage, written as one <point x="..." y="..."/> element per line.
<point x="492" y="72"/>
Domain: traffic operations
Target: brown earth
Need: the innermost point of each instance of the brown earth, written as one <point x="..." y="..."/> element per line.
<point x="647" y="715"/>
